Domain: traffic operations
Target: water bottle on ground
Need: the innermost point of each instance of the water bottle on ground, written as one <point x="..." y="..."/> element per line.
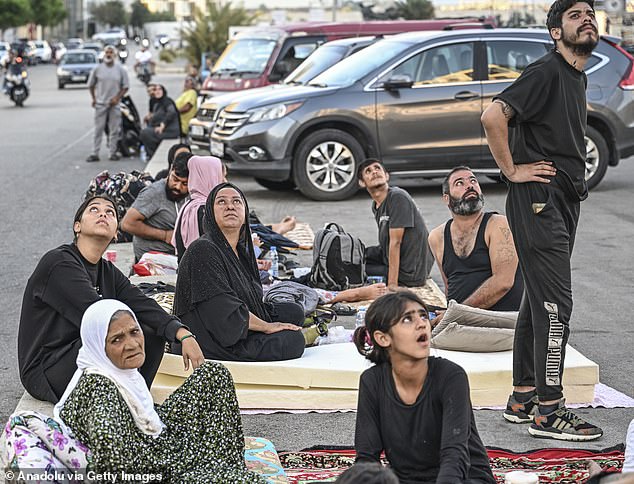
<point x="274" y="261"/>
<point x="143" y="154"/>
<point x="360" y="318"/>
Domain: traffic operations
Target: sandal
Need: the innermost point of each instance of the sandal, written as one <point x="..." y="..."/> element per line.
<point x="343" y="309"/>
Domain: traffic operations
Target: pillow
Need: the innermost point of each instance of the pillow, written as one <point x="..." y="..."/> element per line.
<point x="465" y="328"/>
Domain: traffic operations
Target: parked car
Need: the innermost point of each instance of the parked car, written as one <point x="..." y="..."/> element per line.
<point x="96" y="47"/>
<point x="74" y="43"/>
<point x="111" y="36"/>
<point x="75" y="67"/>
<point x="261" y="56"/>
<point x="414" y="100"/>
<point x="201" y="126"/>
<point x="43" y="51"/>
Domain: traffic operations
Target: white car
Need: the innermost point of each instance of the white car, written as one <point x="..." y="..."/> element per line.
<point x="43" y="51"/>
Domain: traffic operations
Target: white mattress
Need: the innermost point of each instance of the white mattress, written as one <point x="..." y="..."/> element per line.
<point x="327" y="377"/>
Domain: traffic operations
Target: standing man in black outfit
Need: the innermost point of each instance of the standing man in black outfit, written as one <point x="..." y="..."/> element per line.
<point x="545" y="168"/>
<point x="402" y="256"/>
<point x="69" y="279"/>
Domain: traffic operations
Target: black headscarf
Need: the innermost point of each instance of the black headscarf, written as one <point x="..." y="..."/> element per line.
<point x="164" y="102"/>
<point x="211" y="268"/>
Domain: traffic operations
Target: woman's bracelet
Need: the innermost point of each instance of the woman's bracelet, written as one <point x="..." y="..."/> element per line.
<point x="190" y="335"/>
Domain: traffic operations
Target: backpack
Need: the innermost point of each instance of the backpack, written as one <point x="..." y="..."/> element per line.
<point x="338" y="259"/>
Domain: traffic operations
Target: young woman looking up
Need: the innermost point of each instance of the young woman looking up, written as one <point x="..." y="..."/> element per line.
<point x="412" y="406"/>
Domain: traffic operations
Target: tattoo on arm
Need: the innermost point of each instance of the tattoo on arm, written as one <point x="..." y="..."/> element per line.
<point x="507" y="109"/>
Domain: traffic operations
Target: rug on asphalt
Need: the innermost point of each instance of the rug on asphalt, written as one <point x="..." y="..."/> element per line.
<point x="551" y="465"/>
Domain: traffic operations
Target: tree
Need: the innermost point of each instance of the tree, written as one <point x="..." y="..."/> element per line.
<point x="210" y="33"/>
<point x="111" y="13"/>
<point x="139" y="15"/>
<point x="14" y="13"/>
<point x="416" y="9"/>
<point x="47" y="13"/>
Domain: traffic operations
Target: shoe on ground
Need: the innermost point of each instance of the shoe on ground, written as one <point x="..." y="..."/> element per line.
<point x="114" y="157"/>
<point x="311" y="333"/>
<point x="563" y="424"/>
<point x="518" y="412"/>
<point x="92" y="158"/>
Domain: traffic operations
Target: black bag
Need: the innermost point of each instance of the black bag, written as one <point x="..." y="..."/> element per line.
<point x="338" y="259"/>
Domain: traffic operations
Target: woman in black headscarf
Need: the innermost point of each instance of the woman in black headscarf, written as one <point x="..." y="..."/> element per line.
<point x="163" y="123"/>
<point x="219" y="295"/>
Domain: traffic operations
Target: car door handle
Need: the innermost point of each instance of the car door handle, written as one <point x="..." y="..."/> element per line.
<point x="466" y="95"/>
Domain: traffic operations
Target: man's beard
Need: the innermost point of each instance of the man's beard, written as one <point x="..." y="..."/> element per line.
<point x="171" y="196"/>
<point x="583" y="49"/>
<point x="462" y="206"/>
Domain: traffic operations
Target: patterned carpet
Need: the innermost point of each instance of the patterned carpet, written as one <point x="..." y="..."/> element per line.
<point x="561" y="466"/>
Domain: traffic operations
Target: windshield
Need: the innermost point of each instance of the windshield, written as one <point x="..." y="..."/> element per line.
<point x="245" y="55"/>
<point x="79" y="58"/>
<point x="360" y="64"/>
<point x="318" y="62"/>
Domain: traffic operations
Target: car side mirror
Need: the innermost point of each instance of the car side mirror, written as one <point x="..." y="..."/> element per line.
<point x="400" y="81"/>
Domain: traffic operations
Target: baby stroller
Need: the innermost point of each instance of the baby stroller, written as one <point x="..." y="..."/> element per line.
<point x="130" y="142"/>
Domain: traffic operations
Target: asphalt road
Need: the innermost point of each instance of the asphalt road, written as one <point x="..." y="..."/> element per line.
<point x="42" y="151"/>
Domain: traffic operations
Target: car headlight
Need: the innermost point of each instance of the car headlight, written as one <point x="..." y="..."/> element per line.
<point x="275" y="111"/>
<point x="62" y="72"/>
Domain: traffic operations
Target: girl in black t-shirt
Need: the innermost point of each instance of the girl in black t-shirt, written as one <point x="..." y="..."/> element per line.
<point x="414" y="407"/>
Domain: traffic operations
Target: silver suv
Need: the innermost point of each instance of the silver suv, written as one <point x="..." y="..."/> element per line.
<point x="414" y="100"/>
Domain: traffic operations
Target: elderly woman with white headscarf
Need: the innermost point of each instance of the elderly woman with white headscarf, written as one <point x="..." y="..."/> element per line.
<point x="194" y="436"/>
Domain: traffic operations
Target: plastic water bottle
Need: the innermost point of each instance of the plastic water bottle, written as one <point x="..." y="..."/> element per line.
<point x="360" y="318"/>
<point x="143" y="154"/>
<point x="274" y="262"/>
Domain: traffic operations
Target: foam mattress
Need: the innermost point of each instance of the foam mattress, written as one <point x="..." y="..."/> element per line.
<point x="327" y="377"/>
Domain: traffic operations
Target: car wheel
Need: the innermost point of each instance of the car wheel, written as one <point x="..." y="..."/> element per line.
<point x="325" y="165"/>
<point x="285" y="185"/>
<point x="597" y="155"/>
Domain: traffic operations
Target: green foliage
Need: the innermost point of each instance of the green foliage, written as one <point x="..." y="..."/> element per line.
<point x="140" y="15"/>
<point x="14" y="13"/>
<point x="415" y="9"/>
<point x="111" y="13"/>
<point x="167" y="55"/>
<point x="210" y="33"/>
<point x="47" y="12"/>
<point x="162" y="17"/>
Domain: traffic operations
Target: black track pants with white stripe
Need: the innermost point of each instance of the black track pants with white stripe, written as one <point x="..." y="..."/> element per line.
<point x="544" y="222"/>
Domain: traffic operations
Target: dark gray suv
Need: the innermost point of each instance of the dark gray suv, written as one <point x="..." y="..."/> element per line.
<point x="414" y="100"/>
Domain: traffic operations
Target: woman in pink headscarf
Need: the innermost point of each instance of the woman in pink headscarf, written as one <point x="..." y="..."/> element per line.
<point x="205" y="172"/>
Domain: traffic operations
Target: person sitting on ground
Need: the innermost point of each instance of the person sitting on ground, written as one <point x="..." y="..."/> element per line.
<point x="219" y="295"/>
<point x="65" y="282"/>
<point x="186" y="104"/>
<point x="150" y="89"/>
<point x="174" y="151"/>
<point x="164" y="122"/>
<point x="402" y="256"/>
<point x="414" y="407"/>
<point x="152" y="216"/>
<point x="205" y="173"/>
<point x="474" y="250"/>
<point x="194" y="436"/>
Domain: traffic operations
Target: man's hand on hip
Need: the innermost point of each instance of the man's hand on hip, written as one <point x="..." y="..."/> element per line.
<point x="532" y="172"/>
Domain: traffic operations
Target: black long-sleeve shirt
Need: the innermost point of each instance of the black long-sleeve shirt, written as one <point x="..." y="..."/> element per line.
<point x="63" y="285"/>
<point x="434" y="440"/>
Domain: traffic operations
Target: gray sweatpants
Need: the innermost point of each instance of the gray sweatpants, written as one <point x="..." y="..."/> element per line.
<point x="110" y="115"/>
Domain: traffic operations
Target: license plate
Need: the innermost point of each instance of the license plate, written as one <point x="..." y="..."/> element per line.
<point x="217" y="148"/>
<point x="197" y="130"/>
<point x="78" y="78"/>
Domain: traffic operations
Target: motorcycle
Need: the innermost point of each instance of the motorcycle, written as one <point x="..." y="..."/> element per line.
<point x="144" y="72"/>
<point x="16" y="82"/>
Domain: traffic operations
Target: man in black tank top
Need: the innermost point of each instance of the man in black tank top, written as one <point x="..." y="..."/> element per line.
<point x="544" y="163"/>
<point x="474" y="249"/>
